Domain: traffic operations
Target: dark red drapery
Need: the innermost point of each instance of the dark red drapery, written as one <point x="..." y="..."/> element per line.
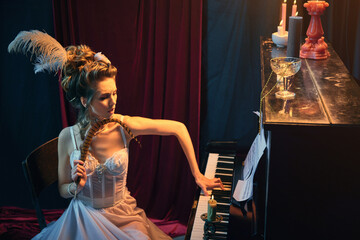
<point x="156" y="46"/>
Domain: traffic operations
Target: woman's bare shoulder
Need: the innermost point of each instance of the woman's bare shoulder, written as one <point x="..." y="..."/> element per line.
<point x="65" y="140"/>
<point x="64" y="134"/>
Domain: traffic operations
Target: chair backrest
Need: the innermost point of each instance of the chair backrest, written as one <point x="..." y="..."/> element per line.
<point x="41" y="170"/>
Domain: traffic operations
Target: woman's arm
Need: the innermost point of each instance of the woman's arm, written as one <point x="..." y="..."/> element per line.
<point x="146" y="126"/>
<point x="66" y="175"/>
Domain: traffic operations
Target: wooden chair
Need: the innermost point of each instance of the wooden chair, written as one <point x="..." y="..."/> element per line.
<point x="41" y="170"/>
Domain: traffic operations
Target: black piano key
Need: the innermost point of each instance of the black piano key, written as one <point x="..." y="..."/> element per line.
<point x="227" y="155"/>
<point x="224" y="178"/>
<point x="223" y="201"/>
<point x="225" y="165"/>
<point x="223" y="229"/>
<point x="221" y="192"/>
<point x="230" y="160"/>
<point x="222" y="208"/>
<point x="222" y="198"/>
<point x="217" y="236"/>
<point x="223" y="171"/>
<point x="222" y="225"/>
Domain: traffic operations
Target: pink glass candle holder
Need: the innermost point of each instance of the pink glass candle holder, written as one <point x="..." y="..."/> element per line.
<point x="315" y="46"/>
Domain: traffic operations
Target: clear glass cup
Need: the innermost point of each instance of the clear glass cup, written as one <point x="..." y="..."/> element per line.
<point x="285" y="67"/>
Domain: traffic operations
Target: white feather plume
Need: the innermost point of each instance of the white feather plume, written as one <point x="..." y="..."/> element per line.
<point x="50" y="55"/>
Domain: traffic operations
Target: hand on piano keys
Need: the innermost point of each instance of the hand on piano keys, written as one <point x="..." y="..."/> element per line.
<point x="208" y="184"/>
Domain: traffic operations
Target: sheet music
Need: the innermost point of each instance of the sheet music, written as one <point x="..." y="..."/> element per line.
<point x="253" y="157"/>
<point x="244" y="188"/>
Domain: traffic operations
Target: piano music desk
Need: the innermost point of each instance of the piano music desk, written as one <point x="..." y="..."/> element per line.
<point x="312" y="169"/>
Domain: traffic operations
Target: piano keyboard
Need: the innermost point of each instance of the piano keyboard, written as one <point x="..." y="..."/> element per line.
<point x="218" y="166"/>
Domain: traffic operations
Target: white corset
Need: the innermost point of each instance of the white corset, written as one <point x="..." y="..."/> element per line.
<point x="106" y="183"/>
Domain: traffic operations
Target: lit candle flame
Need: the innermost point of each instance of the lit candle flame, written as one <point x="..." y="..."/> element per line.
<point x="281" y="22"/>
<point x="294" y="2"/>
<point x="285" y="1"/>
<point x="296" y="13"/>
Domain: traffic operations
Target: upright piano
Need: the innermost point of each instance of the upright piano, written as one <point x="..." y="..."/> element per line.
<point x="312" y="162"/>
<point x="306" y="185"/>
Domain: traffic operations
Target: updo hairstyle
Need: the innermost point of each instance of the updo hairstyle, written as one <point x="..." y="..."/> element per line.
<point x="79" y="77"/>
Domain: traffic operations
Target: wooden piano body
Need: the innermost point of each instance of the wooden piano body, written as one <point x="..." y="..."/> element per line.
<point x="312" y="163"/>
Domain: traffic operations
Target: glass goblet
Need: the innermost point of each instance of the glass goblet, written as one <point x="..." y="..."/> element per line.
<point x="285" y="67"/>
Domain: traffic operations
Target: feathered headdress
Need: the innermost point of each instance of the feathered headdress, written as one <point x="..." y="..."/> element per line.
<point x="50" y="55"/>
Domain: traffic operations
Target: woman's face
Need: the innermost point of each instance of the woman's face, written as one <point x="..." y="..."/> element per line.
<point x="104" y="100"/>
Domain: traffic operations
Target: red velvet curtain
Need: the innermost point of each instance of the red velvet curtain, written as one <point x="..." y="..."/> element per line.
<point x="156" y="46"/>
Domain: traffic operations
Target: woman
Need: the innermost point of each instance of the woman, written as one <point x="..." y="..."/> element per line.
<point x="103" y="207"/>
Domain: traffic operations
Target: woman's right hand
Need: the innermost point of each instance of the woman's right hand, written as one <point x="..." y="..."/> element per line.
<point x="78" y="171"/>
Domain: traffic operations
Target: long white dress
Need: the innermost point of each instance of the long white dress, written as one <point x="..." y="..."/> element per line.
<point x="104" y="208"/>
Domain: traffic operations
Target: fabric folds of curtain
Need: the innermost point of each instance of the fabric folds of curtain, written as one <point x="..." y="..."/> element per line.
<point x="156" y="46"/>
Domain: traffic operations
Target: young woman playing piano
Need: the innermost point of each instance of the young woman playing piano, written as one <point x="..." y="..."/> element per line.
<point x="103" y="207"/>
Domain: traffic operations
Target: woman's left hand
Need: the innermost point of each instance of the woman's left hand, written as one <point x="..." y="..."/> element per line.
<point x="207" y="184"/>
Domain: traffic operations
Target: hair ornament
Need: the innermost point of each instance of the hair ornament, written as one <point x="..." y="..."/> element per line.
<point x="50" y="54"/>
<point x="101" y="57"/>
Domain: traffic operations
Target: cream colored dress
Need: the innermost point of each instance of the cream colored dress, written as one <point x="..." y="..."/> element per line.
<point x="104" y="208"/>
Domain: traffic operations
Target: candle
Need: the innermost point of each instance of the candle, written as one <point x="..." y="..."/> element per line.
<point x="281" y="29"/>
<point x="211" y="214"/>
<point x="280" y="37"/>
<point x="283" y="14"/>
<point x="294" y="36"/>
<point x="294" y="9"/>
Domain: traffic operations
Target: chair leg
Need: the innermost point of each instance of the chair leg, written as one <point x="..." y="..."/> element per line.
<point x="35" y="201"/>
